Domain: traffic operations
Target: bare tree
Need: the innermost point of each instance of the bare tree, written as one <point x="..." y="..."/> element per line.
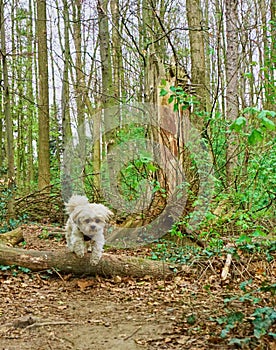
<point x="7" y="111"/>
<point x="232" y="86"/>
<point x="198" y="61"/>
<point x="43" y="97"/>
<point x="105" y="54"/>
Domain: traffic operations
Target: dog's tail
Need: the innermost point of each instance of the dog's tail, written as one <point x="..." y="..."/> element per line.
<point x="74" y="202"/>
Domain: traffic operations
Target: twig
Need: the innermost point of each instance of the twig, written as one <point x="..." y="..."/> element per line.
<point x="225" y="270"/>
<point x="51" y="323"/>
<point x="132" y="334"/>
<point x="59" y="275"/>
<point x="48" y="342"/>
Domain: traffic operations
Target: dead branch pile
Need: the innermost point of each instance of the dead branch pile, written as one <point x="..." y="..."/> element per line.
<point x="42" y="206"/>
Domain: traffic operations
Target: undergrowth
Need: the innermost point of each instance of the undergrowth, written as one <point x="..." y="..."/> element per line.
<point x="172" y="252"/>
<point x="249" y="313"/>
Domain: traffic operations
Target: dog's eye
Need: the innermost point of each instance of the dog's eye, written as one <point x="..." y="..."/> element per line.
<point x="97" y="220"/>
<point x="87" y="221"/>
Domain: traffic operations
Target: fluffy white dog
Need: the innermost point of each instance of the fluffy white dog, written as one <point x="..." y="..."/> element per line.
<point x="85" y="227"/>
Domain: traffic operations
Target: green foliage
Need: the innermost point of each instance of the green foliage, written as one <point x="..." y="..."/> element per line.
<point x="252" y="195"/>
<point x="230" y="321"/>
<point x="191" y="319"/>
<point x="6" y="193"/>
<point x="173" y="253"/>
<point x="15" y="270"/>
<point x="136" y="178"/>
<point x="259" y="125"/>
<point x="133" y="175"/>
<point x="255" y="170"/>
<point x="45" y="234"/>
<point x="261" y="319"/>
<point x="180" y="98"/>
<point x="238" y="124"/>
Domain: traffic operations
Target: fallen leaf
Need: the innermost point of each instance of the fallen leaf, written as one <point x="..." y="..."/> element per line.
<point x="117" y="279"/>
<point x="183" y="340"/>
<point x="84" y="284"/>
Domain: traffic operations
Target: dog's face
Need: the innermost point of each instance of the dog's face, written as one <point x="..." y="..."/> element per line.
<point x="91" y="218"/>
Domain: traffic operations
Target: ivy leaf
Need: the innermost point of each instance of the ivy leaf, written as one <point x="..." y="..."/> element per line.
<point x="191" y="320"/>
<point x="171" y="98"/>
<point x="238" y="124"/>
<point x="244" y="284"/>
<point x="264" y="113"/>
<point x="151" y="167"/>
<point x="244" y="238"/>
<point x="264" y="318"/>
<point x="175" y="107"/>
<point x="163" y="92"/>
<point x="268" y="124"/>
<point x="4" y="268"/>
<point x="255" y="137"/>
<point x="258" y="233"/>
<point x="251" y="110"/>
<point x="239" y="341"/>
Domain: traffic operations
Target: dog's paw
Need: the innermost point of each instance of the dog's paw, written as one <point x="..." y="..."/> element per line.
<point x="79" y="249"/>
<point x="95" y="258"/>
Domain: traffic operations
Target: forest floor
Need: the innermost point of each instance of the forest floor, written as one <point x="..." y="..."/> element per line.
<point x="192" y="310"/>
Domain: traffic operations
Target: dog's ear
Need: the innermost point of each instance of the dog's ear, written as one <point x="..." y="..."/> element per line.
<point x="101" y="210"/>
<point x="108" y="213"/>
<point x="75" y="216"/>
<point x="74" y="202"/>
<point x="105" y="211"/>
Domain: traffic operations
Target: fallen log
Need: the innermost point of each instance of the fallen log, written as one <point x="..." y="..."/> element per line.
<point x="67" y="262"/>
<point x="12" y="237"/>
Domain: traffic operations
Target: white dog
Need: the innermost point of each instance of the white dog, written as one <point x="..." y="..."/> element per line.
<point x="85" y="227"/>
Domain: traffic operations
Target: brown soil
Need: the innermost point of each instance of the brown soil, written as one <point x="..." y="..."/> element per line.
<point x="48" y="310"/>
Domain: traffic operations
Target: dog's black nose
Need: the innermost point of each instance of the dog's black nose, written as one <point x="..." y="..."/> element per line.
<point x="93" y="227"/>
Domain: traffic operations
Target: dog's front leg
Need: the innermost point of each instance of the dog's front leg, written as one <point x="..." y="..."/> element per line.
<point x="97" y="249"/>
<point x="77" y="242"/>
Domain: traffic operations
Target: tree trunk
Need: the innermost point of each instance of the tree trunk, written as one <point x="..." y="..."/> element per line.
<point x="268" y="39"/>
<point x="107" y="85"/>
<point x="232" y="101"/>
<point x="79" y="69"/>
<point x="7" y="112"/>
<point x="66" y="262"/>
<point x="106" y="63"/>
<point x="30" y="92"/>
<point x="65" y="104"/>
<point x="43" y="98"/>
<point x="198" y="65"/>
<point x="116" y="49"/>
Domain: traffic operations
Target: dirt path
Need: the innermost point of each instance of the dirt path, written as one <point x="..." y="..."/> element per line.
<point x="38" y="313"/>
